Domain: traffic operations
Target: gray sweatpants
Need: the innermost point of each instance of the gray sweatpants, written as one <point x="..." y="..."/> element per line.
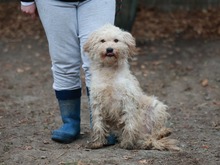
<point x="67" y="26"/>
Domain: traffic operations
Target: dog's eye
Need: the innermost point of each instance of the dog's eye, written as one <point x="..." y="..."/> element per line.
<point x="116" y="40"/>
<point x="102" y="41"/>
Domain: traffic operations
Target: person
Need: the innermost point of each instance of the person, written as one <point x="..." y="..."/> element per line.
<point x="67" y="24"/>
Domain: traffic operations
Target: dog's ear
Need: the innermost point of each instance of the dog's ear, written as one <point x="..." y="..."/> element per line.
<point x="90" y="42"/>
<point x="130" y="41"/>
<point x="86" y="46"/>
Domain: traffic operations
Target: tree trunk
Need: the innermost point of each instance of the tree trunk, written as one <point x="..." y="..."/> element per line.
<point x="126" y="15"/>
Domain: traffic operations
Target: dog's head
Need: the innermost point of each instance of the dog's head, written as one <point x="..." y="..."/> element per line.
<point x="110" y="45"/>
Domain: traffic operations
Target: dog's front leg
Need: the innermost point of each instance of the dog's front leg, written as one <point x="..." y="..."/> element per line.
<point x="130" y="131"/>
<point x="99" y="130"/>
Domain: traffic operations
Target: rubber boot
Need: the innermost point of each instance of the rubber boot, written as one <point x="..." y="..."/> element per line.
<point x="111" y="139"/>
<point x="69" y="104"/>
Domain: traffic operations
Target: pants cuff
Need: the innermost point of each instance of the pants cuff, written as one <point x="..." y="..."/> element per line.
<point x="68" y="94"/>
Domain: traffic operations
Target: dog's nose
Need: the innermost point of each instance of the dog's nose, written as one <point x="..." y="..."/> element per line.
<point x="109" y="50"/>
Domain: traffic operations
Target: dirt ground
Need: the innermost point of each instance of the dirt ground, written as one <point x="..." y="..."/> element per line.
<point x="184" y="73"/>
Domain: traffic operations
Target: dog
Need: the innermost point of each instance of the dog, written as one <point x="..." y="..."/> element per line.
<point x="119" y="106"/>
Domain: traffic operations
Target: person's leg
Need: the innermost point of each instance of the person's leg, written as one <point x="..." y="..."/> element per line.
<point x="92" y="15"/>
<point x="59" y="20"/>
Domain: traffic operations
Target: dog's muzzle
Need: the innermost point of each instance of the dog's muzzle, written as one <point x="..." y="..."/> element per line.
<point x="110" y="52"/>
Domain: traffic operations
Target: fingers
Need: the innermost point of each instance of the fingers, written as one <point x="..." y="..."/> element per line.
<point x="30" y="10"/>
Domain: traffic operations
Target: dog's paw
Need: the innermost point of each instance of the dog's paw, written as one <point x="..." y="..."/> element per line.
<point x="126" y="145"/>
<point x="163" y="132"/>
<point x="95" y="145"/>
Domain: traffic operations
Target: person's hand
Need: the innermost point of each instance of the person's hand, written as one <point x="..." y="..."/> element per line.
<point x="30" y="10"/>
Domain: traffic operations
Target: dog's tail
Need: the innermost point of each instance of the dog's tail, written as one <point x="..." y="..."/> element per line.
<point x="159" y="141"/>
<point x="163" y="144"/>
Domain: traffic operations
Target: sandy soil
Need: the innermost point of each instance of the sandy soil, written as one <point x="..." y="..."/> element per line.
<point x="185" y="74"/>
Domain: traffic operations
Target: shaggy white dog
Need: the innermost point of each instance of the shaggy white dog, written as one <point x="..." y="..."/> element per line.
<point x="118" y="104"/>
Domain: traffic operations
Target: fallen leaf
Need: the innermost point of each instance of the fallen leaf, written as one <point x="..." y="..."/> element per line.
<point x="43" y="157"/>
<point x="19" y="70"/>
<point x="216" y="103"/>
<point x="46" y="142"/>
<point x="28" y="147"/>
<point x="205" y="146"/>
<point x="143" y="161"/>
<point x="156" y="63"/>
<point x="80" y="163"/>
<point x="205" y="82"/>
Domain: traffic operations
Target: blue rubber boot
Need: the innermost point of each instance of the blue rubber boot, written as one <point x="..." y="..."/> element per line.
<point x="111" y="139"/>
<point x="69" y="104"/>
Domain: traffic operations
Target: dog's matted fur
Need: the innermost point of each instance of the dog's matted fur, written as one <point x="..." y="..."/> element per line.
<point x="119" y="106"/>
